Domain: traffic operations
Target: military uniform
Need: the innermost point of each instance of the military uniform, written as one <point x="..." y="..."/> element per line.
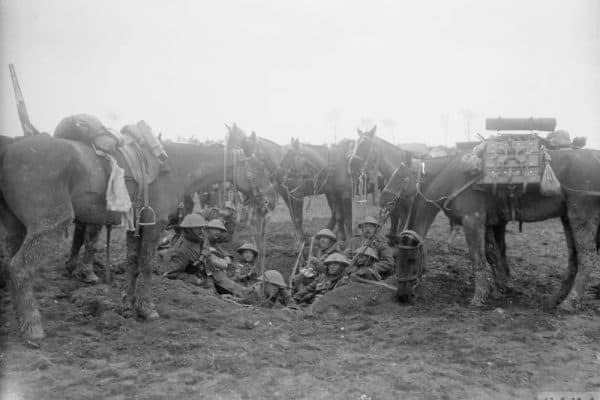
<point x="185" y="253"/>
<point x="245" y="271"/>
<point x="318" y="262"/>
<point x="384" y="266"/>
<point x="258" y="295"/>
<point x="325" y="281"/>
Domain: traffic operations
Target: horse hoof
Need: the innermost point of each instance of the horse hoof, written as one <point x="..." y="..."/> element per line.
<point x="147" y="312"/>
<point x="86" y="274"/>
<point x="567" y="306"/>
<point x="32" y="331"/>
<point x="477" y="302"/>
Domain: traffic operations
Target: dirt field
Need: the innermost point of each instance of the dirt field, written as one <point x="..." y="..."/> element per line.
<point x="358" y="343"/>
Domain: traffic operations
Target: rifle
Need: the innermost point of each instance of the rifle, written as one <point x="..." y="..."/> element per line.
<point x="382" y="220"/>
<point x="28" y="128"/>
<point x="295" y="269"/>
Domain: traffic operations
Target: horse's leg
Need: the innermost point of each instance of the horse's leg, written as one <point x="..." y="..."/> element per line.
<point x="76" y="243"/>
<point x="133" y="250"/>
<point x="454" y="228"/>
<point x="347" y="217"/>
<point x="584" y="218"/>
<point x="475" y="232"/>
<point x="494" y="257"/>
<point x="85" y="271"/>
<point x="333" y="219"/>
<point x="500" y="234"/>
<point x="394" y="221"/>
<point x="150" y="237"/>
<point x="38" y="242"/>
<point x="296" y="213"/>
<point x="569" y="277"/>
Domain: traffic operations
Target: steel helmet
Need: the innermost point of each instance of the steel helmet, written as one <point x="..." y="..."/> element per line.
<point x="274" y="277"/>
<point x="326" y="233"/>
<point x="368" y="220"/>
<point x="368" y="251"/>
<point x="338" y="258"/>
<point x="193" y="221"/>
<point x="216" y="224"/>
<point x="247" y="246"/>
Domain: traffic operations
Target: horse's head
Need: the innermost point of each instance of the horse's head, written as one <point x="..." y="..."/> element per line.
<point x="410" y="263"/>
<point x="364" y="152"/>
<point x="253" y="179"/>
<point x="401" y="188"/>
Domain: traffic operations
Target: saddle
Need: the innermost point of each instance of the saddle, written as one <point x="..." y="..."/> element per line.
<point x="136" y="150"/>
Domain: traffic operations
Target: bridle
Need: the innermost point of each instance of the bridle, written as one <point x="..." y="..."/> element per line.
<point x="297" y="192"/>
<point x="242" y="165"/>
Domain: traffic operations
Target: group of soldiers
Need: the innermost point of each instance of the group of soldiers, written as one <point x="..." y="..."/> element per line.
<point x="197" y="256"/>
<point x="367" y="256"/>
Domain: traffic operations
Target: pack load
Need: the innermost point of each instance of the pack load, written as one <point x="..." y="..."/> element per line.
<point x="512" y="159"/>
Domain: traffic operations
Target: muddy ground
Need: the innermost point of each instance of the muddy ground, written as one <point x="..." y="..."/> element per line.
<point x="357" y="344"/>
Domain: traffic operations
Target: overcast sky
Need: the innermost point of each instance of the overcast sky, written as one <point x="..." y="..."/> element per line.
<point x="297" y="68"/>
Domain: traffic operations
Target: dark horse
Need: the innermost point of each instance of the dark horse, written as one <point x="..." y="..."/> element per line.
<point x="372" y="153"/>
<point x="484" y="216"/>
<point x="272" y="155"/>
<point x="308" y="170"/>
<point x="47" y="182"/>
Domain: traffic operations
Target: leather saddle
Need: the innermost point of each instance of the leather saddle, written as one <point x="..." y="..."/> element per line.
<point x="135" y="149"/>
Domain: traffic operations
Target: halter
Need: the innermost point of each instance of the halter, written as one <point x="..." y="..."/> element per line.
<point x="240" y="161"/>
<point x="295" y="192"/>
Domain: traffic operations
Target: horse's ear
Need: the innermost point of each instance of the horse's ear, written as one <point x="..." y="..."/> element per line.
<point x="372" y="131"/>
<point x="359" y="131"/>
<point x="253" y="136"/>
<point x="228" y="127"/>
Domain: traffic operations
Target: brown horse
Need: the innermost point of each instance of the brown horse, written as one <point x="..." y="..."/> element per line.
<point x="47" y="182"/>
<point x="478" y="210"/>
<point x="272" y="154"/>
<point x="371" y="154"/>
<point x="308" y="170"/>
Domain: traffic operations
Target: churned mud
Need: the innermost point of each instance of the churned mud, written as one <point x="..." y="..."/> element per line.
<point x="354" y="343"/>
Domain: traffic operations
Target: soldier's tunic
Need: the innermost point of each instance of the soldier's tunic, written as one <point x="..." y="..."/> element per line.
<point x="184" y="254"/>
<point x="244" y="272"/>
<point x="322" y="255"/>
<point x="215" y="268"/>
<point x="256" y="295"/>
<point x="385" y="266"/>
<point x="321" y="284"/>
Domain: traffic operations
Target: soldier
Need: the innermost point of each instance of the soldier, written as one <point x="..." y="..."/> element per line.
<point x="384" y="265"/>
<point x="366" y="257"/>
<point x="215" y="234"/>
<point x="245" y="271"/>
<point x="268" y="291"/>
<point x="327" y="246"/>
<point x="185" y="253"/>
<point x="227" y="215"/>
<point x="336" y="265"/>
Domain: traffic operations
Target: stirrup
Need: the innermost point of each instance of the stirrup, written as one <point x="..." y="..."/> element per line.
<point x="146" y="216"/>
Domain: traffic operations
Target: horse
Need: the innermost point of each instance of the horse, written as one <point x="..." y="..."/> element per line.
<point x="308" y="170"/>
<point x="483" y="214"/>
<point x="373" y="152"/>
<point x="47" y="182"/>
<point x="272" y="154"/>
<point x="399" y="195"/>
